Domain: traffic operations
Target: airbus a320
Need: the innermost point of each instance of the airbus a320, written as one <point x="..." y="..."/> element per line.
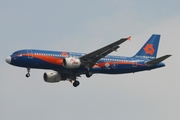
<point x="71" y="65"/>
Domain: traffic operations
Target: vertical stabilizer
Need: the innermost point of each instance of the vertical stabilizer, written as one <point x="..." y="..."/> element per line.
<point x="150" y="48"/>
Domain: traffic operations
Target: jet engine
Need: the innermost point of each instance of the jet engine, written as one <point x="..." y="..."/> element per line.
<point x="52" y="77"/>
<point x="71" y="63"/>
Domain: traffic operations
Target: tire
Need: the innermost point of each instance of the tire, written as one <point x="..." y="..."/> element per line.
<point x="76" y="83"/>
<point x="89" y="74"/>
<point x="27" y="75"/>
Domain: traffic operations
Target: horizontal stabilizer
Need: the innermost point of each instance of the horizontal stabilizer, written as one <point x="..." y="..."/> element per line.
<point x="156" y="61"/>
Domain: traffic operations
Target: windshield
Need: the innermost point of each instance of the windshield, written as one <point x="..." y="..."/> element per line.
<point x="17" y="53"/>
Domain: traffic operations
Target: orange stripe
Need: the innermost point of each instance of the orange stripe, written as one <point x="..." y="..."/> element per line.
<point x="49" y="59"/>
<point x="59" y="61"/>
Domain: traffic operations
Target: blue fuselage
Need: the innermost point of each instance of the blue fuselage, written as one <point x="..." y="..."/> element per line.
<point x="43" y="59"/>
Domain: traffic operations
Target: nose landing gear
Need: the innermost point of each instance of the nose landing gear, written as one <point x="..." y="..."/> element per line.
<point x="28" y="74"/>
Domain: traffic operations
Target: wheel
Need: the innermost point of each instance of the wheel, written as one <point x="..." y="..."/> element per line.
<point x="27" y="75"/>
<point x="28" y="72"/>
<point x="89" y="74"/>
<point x="76" y="83"/>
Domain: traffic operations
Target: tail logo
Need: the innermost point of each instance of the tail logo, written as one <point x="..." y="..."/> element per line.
<point x="149" y="49"/>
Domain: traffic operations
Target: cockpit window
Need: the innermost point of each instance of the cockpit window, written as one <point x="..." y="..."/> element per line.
<point x="16" y="53"/>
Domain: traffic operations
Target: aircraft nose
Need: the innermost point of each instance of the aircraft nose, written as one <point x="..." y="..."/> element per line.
<point x="8" y="59"/>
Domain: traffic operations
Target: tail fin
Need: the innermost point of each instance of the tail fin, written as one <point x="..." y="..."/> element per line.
<point x="150" y="48"/>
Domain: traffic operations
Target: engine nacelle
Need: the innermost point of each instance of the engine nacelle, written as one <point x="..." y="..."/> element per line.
<point x="71" y="63"/>
<point x="52" y="77"/>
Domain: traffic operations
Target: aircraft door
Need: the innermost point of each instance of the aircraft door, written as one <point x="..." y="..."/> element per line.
<point x="134" y="62"/>
<point x="30" y="53"/>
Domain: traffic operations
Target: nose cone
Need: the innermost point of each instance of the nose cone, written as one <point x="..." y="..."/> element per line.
<point x="8" y="59"/>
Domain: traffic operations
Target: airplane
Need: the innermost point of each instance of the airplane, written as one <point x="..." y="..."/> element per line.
<point x="68" y="66"/>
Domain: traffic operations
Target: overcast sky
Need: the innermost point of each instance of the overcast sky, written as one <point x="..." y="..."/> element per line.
<point x="82" y="26"/>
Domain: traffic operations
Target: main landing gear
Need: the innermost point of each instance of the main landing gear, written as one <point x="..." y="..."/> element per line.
<point x="76" y="83"/>
<point x="28" y="74"/>
<point x="89" y="74"/>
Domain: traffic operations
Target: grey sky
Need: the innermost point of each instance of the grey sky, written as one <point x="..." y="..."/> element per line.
<point x="83" y="26"/>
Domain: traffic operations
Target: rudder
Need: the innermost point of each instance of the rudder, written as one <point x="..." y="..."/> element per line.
<point x="150" y="48"/>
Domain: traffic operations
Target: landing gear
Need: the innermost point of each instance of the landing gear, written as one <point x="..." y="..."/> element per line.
<point x="89" y="74"/>
<point x="76" y="83"/>
<point x="28" y="74"/>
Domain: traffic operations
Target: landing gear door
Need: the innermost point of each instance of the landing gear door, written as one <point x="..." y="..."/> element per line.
<point x="134" y="62"/>
<point x="30" y="53"/>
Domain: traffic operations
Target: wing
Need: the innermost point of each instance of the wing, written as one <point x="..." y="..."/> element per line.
<point x="89" y="60"/>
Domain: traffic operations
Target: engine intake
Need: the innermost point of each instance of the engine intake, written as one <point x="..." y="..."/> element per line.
<point x="52" y="77"/>
<point x="71" y="63"/>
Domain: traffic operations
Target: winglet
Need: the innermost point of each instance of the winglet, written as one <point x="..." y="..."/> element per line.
<point x="129" y="38"/>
